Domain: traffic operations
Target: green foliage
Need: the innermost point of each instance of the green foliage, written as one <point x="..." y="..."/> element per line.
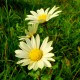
<point x="64" y="30"/>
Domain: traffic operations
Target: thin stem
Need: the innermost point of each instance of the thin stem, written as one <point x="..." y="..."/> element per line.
<point x="46" y="27"/>
<point x="75" y="74"/>
<point x="39" y="76"/>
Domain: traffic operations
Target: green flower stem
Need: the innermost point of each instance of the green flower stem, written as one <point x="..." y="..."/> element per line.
<point x="46" y="28"/>
<point x="39" y="76"/>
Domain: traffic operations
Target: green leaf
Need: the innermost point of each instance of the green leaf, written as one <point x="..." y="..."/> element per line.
<point x="40" y="30"/>
<point x="58" y="78"/>
<point x="55" y="66"/>
<point x="20" y="76"/>
<point x="34" y="74"/>
<point x="46" y="77"/>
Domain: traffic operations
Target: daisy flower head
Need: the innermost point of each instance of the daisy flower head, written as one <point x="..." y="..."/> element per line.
<point x="42" y="15"/>
<point x="34" y="55"/>
<point x="32" y="29"/>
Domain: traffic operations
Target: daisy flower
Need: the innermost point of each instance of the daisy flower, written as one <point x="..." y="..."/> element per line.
<point x="32" y="29"/>
<point x="34" y="55"/>
<point x="42" y="15"/>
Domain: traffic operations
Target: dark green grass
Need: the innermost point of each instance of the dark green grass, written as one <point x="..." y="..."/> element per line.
<point x="64" y="30"/>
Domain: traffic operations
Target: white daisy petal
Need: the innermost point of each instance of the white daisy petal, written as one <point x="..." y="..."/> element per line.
<point x="34" y="13"/>
<point x="31" y="16"/>
<point x="47" y="49"/>
<point x="23" y="61"/>
<point x="20" y="54"/>
<point x="40" y="64"/>
<point x="49" y="55"/>
<point x="44" y="43"/>
<point x="38" y="11"/>
<point x="35" y="66"/>
<point x="55" y="14"/>
<point x="29" y="43"/>
<point x="42" y="11"/>
<point x="24" y="46"/>
<point x="51" y="59"/>
<point x="47" y="63"/>
<point x="30" y="66"/>
<point x="32" y="19"/>
<point x="33" y="42"/>
<point x="50" y="43"/>
<point x="46" y="11"/>
<point x="53" y="10"/>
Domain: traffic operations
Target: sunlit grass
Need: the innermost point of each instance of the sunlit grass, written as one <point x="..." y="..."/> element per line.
<point x="64" y="30"/>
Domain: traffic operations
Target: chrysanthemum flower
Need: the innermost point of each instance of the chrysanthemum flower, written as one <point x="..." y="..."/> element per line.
<point x="34" y="55"/>
<point x="32" y="29"/>
<point x="42" y="15"/>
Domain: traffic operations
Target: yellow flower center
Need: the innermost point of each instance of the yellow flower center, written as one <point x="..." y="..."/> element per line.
<point x="35" y="54"/>
<point x="42" y="18"/>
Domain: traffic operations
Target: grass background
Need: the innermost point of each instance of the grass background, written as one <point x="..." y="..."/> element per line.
<point x="64" y="30"/>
